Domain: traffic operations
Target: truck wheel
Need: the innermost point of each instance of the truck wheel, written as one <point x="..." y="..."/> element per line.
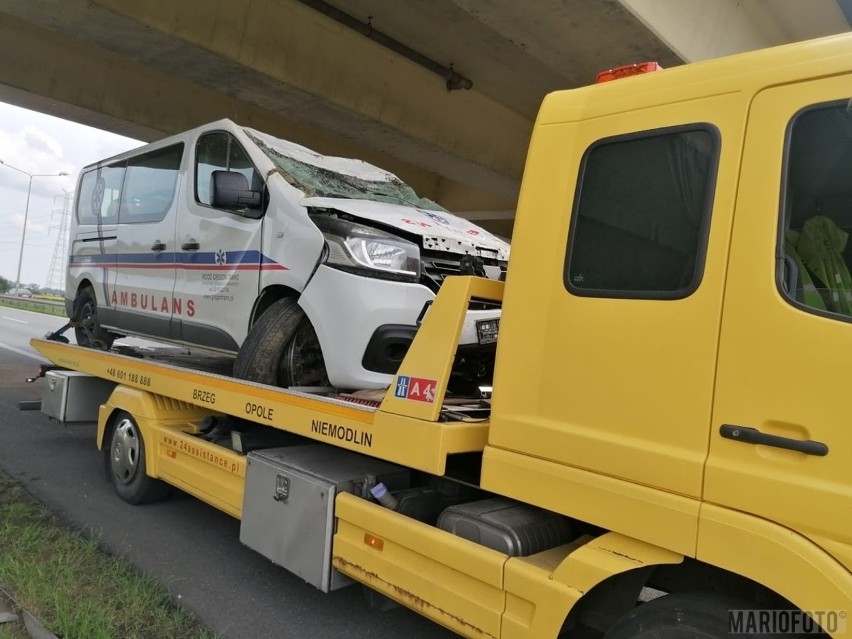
<point x="126" y="459"/>
<point x="87" y="328"/>
<point x="282" y="349"/>
<point x="682" y="616"/>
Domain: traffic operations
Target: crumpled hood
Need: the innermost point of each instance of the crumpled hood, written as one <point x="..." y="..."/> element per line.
<point x="440" y="231"/>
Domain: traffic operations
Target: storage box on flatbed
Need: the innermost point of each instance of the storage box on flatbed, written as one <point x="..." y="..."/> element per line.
<point x="73" y="396"/>
<point x="288" y="511"/>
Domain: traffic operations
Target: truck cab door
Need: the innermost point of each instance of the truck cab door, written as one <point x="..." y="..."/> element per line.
<point x="219" y="248"/>
<point x="781" y="439"/>
<point x="609" y="335"/>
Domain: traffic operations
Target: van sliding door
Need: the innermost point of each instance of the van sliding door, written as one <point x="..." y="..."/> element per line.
<point x="218" y="249"/>
<point x="142" y="295"/>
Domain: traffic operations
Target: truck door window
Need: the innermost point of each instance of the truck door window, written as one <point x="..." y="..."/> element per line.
<point x="219" y="151"/>
<point x="816" y="211"/>
<point x="641" y="214"/>
<point x="100" y="191"/>
<point x="150" y="185"/>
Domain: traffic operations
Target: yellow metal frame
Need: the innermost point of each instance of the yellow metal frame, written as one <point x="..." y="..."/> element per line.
<point x="401" y="431"/>
<point x="475" y="591"/>
<point x="471" y="589"/>
<point x="454" y="582"/>
<point x="174" y="453"/>
<point x="433" y="350"/>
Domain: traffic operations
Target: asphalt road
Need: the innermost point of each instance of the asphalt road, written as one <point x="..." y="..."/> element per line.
<point x="191" y="548"/>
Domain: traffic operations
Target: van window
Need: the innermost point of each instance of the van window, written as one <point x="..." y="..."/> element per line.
<point x="641" y="214"/>
<point x="219" y="151"/>
<point x="100" y="192"/>
<point x="816" y="210"/>
<point x="150" y="184"/>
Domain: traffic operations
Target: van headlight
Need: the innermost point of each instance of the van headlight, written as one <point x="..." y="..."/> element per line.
<point x="367" y="251"/>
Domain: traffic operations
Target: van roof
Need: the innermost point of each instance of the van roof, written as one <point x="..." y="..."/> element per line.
<point x="224" y="123"/>
<point x="746" y="72"/>
<point x="314" y="173"/>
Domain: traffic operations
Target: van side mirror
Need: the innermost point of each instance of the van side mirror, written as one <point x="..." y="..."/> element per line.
<point x="230" y="190"/>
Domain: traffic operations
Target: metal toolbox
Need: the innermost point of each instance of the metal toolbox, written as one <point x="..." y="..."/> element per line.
<point x="288" y="505"/>
<point x="510" y="527"/>
<point x="72" y="397"/>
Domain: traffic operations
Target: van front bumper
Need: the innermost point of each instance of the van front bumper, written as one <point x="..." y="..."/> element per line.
<point x="364" y="324"/>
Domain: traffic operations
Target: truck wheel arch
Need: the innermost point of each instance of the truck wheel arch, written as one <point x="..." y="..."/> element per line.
<point x="106" y="423"/>
<point x="608" y="573"/>
<point x="780" y="559"/>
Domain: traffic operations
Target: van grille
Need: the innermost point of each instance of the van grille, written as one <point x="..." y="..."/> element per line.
<point x="434" y="270"/>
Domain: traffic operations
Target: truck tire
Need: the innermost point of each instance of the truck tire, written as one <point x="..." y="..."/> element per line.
<point x="126" y="464"/>
<point x="682" y="616"/>
<point x="87" y="329"/>
<point x="282" y="349"/>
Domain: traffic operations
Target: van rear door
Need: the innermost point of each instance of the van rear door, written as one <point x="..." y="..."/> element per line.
<point x="92" y="250"/>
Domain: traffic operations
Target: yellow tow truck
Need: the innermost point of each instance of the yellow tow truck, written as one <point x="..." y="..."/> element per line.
<point x="666" y="448"/>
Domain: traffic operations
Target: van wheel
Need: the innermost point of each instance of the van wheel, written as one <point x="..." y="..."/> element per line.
<point x="282" y="349"/>
<point x="87" y="328"/>
<point x="126" y="463"/>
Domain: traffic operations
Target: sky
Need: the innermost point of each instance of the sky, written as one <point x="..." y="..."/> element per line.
<point x="42" y="144"/>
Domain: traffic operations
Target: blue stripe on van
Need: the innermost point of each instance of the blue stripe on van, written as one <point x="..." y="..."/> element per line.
<point x="208" y="260"/>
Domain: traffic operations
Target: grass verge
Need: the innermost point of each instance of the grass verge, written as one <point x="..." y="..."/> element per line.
<point x="75" y="589"/>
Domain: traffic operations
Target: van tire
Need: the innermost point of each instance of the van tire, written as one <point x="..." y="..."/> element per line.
<point x="87" y="329"/>
<point x="273" y="344"/>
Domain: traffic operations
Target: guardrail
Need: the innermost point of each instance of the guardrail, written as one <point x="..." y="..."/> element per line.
<point x="33" y="304"/>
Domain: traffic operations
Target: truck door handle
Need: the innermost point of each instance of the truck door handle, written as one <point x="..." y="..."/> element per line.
<point x="754" y="436"/>
<point x="192" y="245"/>
<point x="158" y="246"/>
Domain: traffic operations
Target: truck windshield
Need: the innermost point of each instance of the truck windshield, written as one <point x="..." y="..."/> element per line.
<point x="327" y="176"/>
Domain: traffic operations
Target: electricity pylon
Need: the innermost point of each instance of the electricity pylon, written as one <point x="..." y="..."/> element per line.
<point x="56" y="273"/>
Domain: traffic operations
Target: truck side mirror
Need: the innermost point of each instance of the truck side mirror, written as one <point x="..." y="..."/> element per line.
<point x="230" y="190"/>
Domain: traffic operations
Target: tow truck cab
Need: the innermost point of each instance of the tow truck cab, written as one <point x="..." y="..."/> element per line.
<point x="682" y="238"/>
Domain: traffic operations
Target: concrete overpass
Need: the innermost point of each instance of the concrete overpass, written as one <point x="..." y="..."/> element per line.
<point x="442" y="92"/>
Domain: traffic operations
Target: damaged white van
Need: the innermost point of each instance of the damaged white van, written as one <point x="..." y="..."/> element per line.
<point x="313" y="269"/>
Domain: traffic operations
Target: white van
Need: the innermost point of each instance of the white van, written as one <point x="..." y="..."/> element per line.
<point x="313" y="269"/>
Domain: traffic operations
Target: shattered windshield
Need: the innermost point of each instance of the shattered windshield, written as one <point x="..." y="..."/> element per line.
<point x="326" y="176"/>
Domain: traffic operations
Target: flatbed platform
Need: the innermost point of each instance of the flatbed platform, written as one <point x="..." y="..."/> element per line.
<point x="377" y="428"/>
